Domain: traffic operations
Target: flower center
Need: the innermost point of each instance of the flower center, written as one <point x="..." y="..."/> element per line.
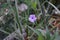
<point x="32" y="17"/>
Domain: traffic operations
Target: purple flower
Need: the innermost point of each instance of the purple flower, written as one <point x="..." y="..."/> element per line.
<point x="32" y="18"/>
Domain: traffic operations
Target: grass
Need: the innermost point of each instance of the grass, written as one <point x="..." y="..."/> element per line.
<point x="17" y="21"/>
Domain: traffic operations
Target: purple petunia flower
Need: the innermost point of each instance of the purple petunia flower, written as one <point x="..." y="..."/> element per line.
<point x="32" y="18"/>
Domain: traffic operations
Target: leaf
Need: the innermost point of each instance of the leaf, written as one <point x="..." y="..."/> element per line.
<point x="42" y="31"/>
<point x="34" y="5"/>
<point x="4" y="5"/>
<point x="35" y="31"/>
<point x="48" y="36"/>
<point x="40" y="37"/>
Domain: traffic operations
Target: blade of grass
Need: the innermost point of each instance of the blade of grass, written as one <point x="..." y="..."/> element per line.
<point x="4" y="31"/>
<point x="35" y="31"/>
<point x="17" y="16"/>
<point x="54" y="7"/>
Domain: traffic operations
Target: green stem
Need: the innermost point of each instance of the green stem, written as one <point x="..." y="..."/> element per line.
<point x="17" y="16"/>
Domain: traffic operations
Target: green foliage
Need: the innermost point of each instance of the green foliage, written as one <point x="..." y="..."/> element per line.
<point x="40" y="37"/>
<point x="17" y="20"/>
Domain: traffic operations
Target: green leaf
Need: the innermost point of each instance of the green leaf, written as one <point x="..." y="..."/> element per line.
<point x="4" y="5"/>
<point x="47" y="34"/>
<point x="35" y="31"/>
<point x="40" y="37"/>
<point x="34" y="5"/>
